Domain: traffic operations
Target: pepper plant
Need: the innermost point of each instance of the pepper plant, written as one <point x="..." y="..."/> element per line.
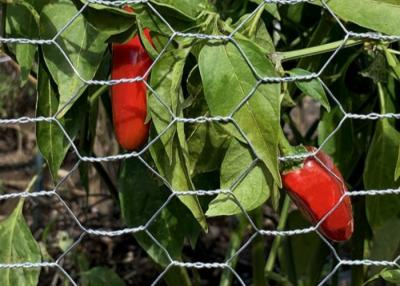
<point x="226" y="82"/>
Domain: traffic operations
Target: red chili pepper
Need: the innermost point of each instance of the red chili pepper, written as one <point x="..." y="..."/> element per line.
<point x="129" y="102"/>
<point x="316" y="189"/>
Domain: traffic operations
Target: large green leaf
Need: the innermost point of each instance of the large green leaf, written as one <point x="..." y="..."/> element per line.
<point x="17" y="246"/>
<point x="38" y="5"/>
<point x="383" y="212"/>
<point x="393" y="63"/>
<point x="83" y="45"/>
<point x="22" y="21"/>
<point x="381" y="16"/>
<point x="52" y="143"/>
<point x="312" y="88"/>
<point x="252" y="191"/>
<point x="179" y="15"/>
<point x="107" y="19"/>
<point x="207" y="142"/>
<point x="50" y="138"/>
<point x="171" y="151"/>
<point x="227" y="80"/>
<point x="101" y="276"/>
<point x="338" y="145"/>
<point x="379" y="174"/>
<point x="147" y="18"/>
<point x="397" y="172"/>
<point x="302" y="257"/>
<point x="189" y="9"/>
<point x="140" y="199"/>
<point x="175" y="170"/>
<point x="348" y="143"/>
<point x="166" y="78"/>
<point x="386" y="241"/>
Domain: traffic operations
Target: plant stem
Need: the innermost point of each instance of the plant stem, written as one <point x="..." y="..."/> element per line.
<point x="234" y="244"/>
<point x="93" y="97"/>
<point x="106" y="179"/>
<point x="257" y="251"/>
<point x="319" y="36"/>
<point x="311" y="51"/>
<point x="357" y="271"/>
<point x="286" y="149"/>
<point x="394" y="51"/>
<point x="335" y="276"/>
<point x="177" y="276"/>
<point x="277" y="241"/>
<point x="382" y="100"/>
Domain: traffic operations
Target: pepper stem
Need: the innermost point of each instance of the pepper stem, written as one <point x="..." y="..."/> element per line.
<point x="287" y="149"/>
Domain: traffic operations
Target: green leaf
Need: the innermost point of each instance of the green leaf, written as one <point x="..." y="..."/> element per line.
<point x="255" y="30"/>
<point x="37" y="4"/>
<point x="378" y="174"/>
<point x="263" y="38"/>
<point x="17" y="246"/>
<point x="171" y="155"/>
<point x="377" y="68"/>
<point x="207" y="142"/>
<point x="22" y="21"/>
<point x="207" y="145"/>
<point x="107" y="20"/>
<point x="295" y="12"/>
<point x="177" y="20"/>
<point x="151" y="51"/>
<point x="52" y="143"/>
<point x="338" y="146"/>
<point x="383" y="212"/>
<point x="373" y="278"/>
<point x="83" y="45"/>
<point x="381" y="16"/>
<point x="184" y="9"/>
<point x="393" y="62"/>
<point x="50" y="138"/>
<point x="271" y="8"/>
<point x="140" y="199"/>
<point x="348" y="144"/>
<point x="166" y="78"/>
<point x="147" y="18"/>
<point x="392" y="276"/>
<point x="304" y="255"/>
<point x="101" y="276"/>
<point x="252" y="190"/>
<point x="227" y="80"/>
<point x="397" y="172"/>
<point x="312" y="88"/>
<point x="385" y="242"/>
<point x="176" y="171"/>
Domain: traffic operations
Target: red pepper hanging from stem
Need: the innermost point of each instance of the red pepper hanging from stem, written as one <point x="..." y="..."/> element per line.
<point x="129" y="101"/>
<point x="316" y="187"/>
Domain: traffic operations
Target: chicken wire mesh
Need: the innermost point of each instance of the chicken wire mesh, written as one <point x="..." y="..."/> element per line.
<point x="85" y="231"/>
